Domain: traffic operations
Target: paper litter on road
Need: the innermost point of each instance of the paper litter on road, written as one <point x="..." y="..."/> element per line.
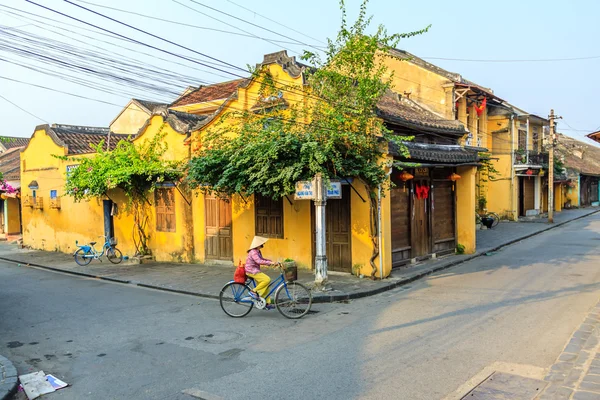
<point x="37" y="384"/>
<point x="55" y="382"/>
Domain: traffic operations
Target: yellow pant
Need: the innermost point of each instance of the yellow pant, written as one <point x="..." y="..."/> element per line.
<point x="262" y="283"/>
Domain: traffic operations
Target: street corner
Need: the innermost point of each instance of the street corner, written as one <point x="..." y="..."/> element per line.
<point x="8" y="378"/>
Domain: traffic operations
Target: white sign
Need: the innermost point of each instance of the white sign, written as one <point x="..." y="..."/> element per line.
<point x="305" y="190"/>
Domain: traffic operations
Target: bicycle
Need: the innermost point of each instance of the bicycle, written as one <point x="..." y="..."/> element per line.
<point x="87" y="252"/>
<point x="292" y="299"/>
<point x="492" y="217"/>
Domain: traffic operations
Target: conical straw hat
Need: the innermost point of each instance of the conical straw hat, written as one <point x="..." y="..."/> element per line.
<point x="257" y="241"/>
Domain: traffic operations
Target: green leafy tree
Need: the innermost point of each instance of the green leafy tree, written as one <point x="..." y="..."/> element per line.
<point x="333" y="131"/>
<point x="134" y="169"/>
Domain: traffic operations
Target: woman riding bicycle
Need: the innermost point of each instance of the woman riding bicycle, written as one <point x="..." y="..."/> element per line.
<point x="253" y="263"/>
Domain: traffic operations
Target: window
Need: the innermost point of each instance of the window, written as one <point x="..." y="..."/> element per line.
<point x="522" y="139"/>
<point x="53" y="194"/>
<point x="269" y="216"/>
<point x="165" y="209"/>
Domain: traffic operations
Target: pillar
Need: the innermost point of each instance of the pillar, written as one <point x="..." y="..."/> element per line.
<point x="537" y="186"/>
<point x="558" y="197"/>
<point x="465" y="208"/>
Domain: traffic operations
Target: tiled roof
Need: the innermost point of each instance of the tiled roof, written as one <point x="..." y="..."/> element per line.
<point x="437" y="153"/>
<point x="80" y="139"/>
<point x="579" y="156"/>
<point x="10" y="142"/>
<point x="149" y="105"/>
<point x="407" y="113"/>
<point x="10" y="164"/>
<point x="209" y="93"/>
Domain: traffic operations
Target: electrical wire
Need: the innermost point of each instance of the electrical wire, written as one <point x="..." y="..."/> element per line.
<point x="22" y="109"/>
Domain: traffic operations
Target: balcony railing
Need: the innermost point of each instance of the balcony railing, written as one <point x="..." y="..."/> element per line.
<point x="38" y="203"/>
<point x="55" y="202"/>
<point x="529" y="157"/>
<point x="28" y="201"/>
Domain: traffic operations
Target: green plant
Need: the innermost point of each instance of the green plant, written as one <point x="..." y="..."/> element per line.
<point x="288" y="260"/>
<point x="334" y="131"/>
<point x="460" y="249"/>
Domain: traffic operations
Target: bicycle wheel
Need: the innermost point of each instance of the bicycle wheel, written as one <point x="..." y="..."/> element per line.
<point x="495" y="217"/>
<point x="114" y="255"/>
<point x="82" y="258"/>
<point x="235" y="299"/>
<point x="293" y="300"/>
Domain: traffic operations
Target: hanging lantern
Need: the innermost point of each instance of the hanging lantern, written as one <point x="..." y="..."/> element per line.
<point x="405" y="176"/>
<point x="529" y="172"/>
<point x="454" y="177"/>
<point x="542" y="172"/>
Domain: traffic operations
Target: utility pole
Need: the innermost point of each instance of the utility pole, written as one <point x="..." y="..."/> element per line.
<point x="321" y="240"/>
<point x="551" y="169"/>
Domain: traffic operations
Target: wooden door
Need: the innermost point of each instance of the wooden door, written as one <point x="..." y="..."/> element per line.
<point x="420" y="227"/>
<point x="444" y="233"/>
<point x="339" y="255"/>
<point x="400" y="221"/>
<point x="218" y="242"/>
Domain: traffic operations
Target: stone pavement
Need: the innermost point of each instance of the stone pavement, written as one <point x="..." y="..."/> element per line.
<point x="576" y="373"/>
<point x="207" y="280"/>
<point x="8" y="378"/>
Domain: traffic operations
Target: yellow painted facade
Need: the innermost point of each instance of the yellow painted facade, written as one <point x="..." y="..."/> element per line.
<point x="57" y="229"/>
<point x="130" y="119"/>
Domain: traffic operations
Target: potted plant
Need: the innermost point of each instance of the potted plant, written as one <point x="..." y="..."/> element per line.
<point x="290" y="270"/>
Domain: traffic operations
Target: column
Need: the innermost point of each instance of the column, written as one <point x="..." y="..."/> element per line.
<point x="537" y="187"/>
<point x="465" y="208"/>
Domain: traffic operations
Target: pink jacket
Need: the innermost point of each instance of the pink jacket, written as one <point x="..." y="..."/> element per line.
<point x="254" y="261"/>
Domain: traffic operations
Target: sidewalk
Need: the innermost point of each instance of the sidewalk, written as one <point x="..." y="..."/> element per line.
<point x="206" y="280"/>
<point x="8" y="378"/>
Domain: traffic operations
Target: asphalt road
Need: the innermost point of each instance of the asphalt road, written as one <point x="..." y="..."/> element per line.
<point x="111" y="341"/>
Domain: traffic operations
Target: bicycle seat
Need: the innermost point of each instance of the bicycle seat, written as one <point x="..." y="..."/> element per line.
<point x="93" y="243"/>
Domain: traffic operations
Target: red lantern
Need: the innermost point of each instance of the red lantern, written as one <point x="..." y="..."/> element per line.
<point x="405" y="176"/>
<point x="529" y="172"/>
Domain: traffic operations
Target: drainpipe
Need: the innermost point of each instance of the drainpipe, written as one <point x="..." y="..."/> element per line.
<point x="379" y="235"/>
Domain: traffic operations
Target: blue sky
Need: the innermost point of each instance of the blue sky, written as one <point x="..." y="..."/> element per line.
<point x="475" y="30"/>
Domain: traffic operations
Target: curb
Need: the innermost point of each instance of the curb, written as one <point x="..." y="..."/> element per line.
<point x="9" y="380"/>
<point x="320" y="298"/>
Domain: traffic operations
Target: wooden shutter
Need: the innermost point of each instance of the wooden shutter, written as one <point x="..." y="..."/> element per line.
<point x="269" y="216"/>
<point x="165" y="209"/>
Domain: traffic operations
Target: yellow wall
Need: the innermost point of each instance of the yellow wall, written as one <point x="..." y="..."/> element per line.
<point x="58" y="229"/>
<point x="572" y="194"/>
<point x="465" y="208"/>
<point x="131" y="119"/>
<point x="424" y="86"/>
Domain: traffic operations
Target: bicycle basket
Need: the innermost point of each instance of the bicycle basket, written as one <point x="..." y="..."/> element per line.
<point x="113" y="241"/>
<point x="291" y="273"/>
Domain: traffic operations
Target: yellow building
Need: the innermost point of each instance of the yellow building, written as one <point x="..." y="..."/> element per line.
<point x="10" y="203"/>
<point x="425" y="216"/>
<point x="53" y="221"/>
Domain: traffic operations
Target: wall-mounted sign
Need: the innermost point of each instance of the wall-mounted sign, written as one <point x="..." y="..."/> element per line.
<point x="305" y="190"/>
<point x="422" y="172"/>
<point x="70" y="168"/>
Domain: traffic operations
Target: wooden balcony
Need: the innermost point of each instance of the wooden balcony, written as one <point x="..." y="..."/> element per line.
<point x="39" y="203"/>
<point x="530" y="158"/>
<point x="55" y="203"/>
<point x="28" y="201"/>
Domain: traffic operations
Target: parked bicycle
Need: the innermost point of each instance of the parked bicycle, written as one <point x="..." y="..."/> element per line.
<point x="88" y="252"/>
<point x="487" y="219"/>
<point x="292" y="299"/>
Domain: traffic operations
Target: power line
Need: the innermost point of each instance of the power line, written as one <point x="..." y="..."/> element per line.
<point x="512" y="60"/>
<point x="22" y="109"/>
<point x="137" y="41"/>
<point x="182" y="23"/>
<point x="251" y="23"/>
<point x="275" y="22"/>
<point x="233" y="26"/>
